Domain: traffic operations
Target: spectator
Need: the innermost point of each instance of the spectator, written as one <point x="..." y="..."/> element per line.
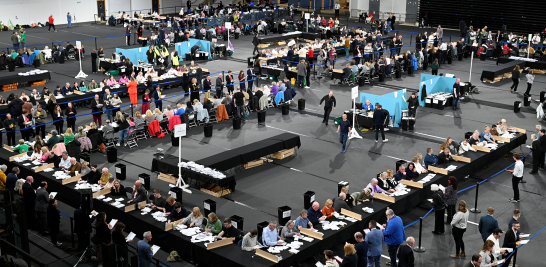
<point x="350" y="259"/>
<point x="144" y="251"/>
<point x="42" y="201"/>
<point x="82" y="227"/>
<point x="439" y="209"/>
<point x="405" y="254"/>
<point x="451" y="197"/>
<point x="330" y="261"/>
<point x="3" y="178"/>
<point x="488" y="223"/>
<point x="361" y="248"/>
<point x="12" y="178"/>
<point x="458" y="225"/>
<point x="374" y="239"/>
<point x="53" y="220"/>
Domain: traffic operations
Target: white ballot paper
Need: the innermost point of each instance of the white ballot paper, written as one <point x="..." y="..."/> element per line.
<point x="112" y="223"/>
<point x="155" y="248"/>
<point x="131" y="236"/>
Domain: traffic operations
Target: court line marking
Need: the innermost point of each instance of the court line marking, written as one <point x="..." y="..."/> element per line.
<point x="78" y="33"/>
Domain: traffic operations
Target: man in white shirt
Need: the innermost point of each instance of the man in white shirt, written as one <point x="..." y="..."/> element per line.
<point x="264" y="25"/>
<point x="337" y="6"/>
<point x="495" y="237"/>
<point x="517" y="175"/>
<point x="535" y="41"/>
<point x="274" y="52"/>
<point x="65" y="161"/>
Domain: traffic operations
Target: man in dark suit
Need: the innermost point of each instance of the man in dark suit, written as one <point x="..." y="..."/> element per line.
<point x="379" y="121"/>
<point x="361" y="248"/>
<point x="162" y="35"/>
<point x="444" y="157"/>
<point x="255" y="42"/>
<point x="542" y="144"/>
<point x="157" y="98"/>
<point x="30" y="201"/>
<point x="96" y="109"/>
<point x="24" y="122"/>
<point x="405" y="254"/>
<point x="11" y="179"/>
<point x="42" y="200"/>
<point x="475" y="262"/>
<point x="82" y="227"/>
<point x="535" y="148"/>
<point x="249" y="76"/>
<point x="488" y="224"/>
<point x="511" y="238"/>
<point x="462" y="27"/>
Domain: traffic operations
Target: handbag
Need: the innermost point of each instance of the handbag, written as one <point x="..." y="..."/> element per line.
<point x="102" y="148"/>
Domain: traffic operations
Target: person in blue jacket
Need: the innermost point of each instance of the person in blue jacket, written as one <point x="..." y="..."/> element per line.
<point x="393" y="234"/>
<point x="145" y="254"/>
<point x="430" y="159"/>
<point x="375" y="248"/>
<point x="157" y="98"/>
<point x="69" y="20"/>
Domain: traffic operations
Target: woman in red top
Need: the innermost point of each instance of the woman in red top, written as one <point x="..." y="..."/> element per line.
<point x="328" y="210"/>
<point x="323" y="22"/>
<point x="310" y="55"/>
<point x="51" y="20"/>
<point x="506" y="50"/>
<point x="132" y="90"/>
<point x="331" y="23"/>
<point x="145" y="102"/>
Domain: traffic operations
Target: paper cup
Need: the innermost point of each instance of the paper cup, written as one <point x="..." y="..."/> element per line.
<point x="77" y="173"/>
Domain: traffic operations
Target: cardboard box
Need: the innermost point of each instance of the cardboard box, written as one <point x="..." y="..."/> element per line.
<point x="253" y="164"/>
<point x="283" y="154"/>
<point x="215" y="190"/>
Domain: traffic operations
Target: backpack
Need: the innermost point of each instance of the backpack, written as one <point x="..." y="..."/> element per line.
<point x="474" y="90"/>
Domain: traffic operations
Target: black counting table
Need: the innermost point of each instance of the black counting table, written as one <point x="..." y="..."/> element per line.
<point x="232" y="255"/>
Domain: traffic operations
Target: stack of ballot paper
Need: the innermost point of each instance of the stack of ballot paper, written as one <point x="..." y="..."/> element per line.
<point x="118" y="204"/>
<point x="306" y="238"/>
<point x="451" y="167"/>
<point x="367" y="210"/>
<point x="61" y="175"/>
<point x="334" y="225"/>
<point x="130" y="236"/>
<point x="155" y="248"/>
<point x="107" y="199"/>
<point x="427" y="178"/>
<point x="350" y="219"/>
<point x="338" y="216"/>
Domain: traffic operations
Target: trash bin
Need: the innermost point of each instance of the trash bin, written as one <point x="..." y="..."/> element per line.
<point x="176" y="192"/>
<point x="121" y="171"/>
<point x="236" y="123"/>
<point x="209" y="206"/>
<point x="517" y="106"/>
<point x="411" y="123"/>
<point x="237" y="222"/>
<point x="301" y="104"/>
<point x="284" y="214"/>
<point x="398" y="163"/>
<point x="145" y="179"/>
<point x="405" y="124"/>
<point x="260" y="227"/>
<point x="526" y="101"/>
<point x="285" y="109"/>
<point x="261" y="116"/>
<point x="208" y="130"/>
<point x="112" y="154"/>
<point x="308" y="199"/>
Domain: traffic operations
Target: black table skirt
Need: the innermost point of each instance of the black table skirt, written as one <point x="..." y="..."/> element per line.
<point x="538" y="65"/>
<point x="169" y="165"/>
<point x="235" y="157"/>
<point x="494" y="71"/>
<point x="232" y="255"/>
<point x="365" y="121"/>
<point x="24" y="79"/>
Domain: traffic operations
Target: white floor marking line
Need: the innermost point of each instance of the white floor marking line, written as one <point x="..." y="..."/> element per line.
<point x="34" y="36"/>
<point x="78" y="33"/>
<point x="438" y="137"/>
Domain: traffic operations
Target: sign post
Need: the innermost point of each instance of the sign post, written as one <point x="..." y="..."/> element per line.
<point x="228" y="27"/>
<point x="354" y="96"/>
<point x="307" y="16"/>
<point x="179" y="132"/>
<point x="81" y="74"/>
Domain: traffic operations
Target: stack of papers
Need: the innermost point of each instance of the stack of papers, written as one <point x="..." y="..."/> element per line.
<point x="190" y="231"/>
<point x="48" y="170"/>
<point x="350" y="219"/>
<point x="523" y="242"/>
<point x="118" y="204"/>
<point x="451" y="167"/>
<point x="155" y="248"/>
<point x="61" y="175"/>
<point x="107" y="199"/>
<point x="308" y="239"/>
<point x="334" y="225"/>
<point x="159" y="216"/>
<point x="131" y="236"/>
<point x="367" y="210"/>
<point x="427" y="178"/>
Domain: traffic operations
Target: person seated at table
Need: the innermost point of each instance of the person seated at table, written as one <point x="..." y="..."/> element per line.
<point x="411" y="172"/>
<point x="504" y="127"/>
<point x="399" y="175"/>
<point x="328" y="209"/>
<point x="158" y="202"/>
<point x="75" y="166"/>
<point x="194" y="219"/>
<point x="107" y="127"/>
<point x="140" y="196"/>
<point x="92" y="129"/>
<point x="474" y="139"/>
<point x="348" y="199"/>
<point x="346" y="72"/>
<point x="214" y="225"/>
<point x="465" y="146"/>
<point x="82" y="87"/>
<point x="111" y="81"/>
<point x="22" y="147"/>
<point x="178" y="213"/>
<point x="57" y="91"/>
<point x="289" y="230"/>
<point x="66" y="90"/>
<point x="123" y="80"/>
<point x="158" y="115"/>
<point x="486" y="136"/>
<point x="250" y="241"/>
<point x="387" y="184"/>
<point x="228" y="231"/>
<point x="118" y="189"/>
<point x="449" y="143"/>
<point x="373" y="186"/>
<point x="364" y="196"/>
<point x="197" y="106"/>
<point x="339" y="203"/>
<point x="93" y="176"/>
<point x="75" y="86"/>
<point x="170" y="204"/>
<point x="430" y="159"/>
<point x="270" y="235"/>
<point x="110" y="183"/>
<point x="368" y="106"/>
<point x="444" y="157"/>
<point x="105" y="175"/>
<point x="68" y="136"/>
<point x="302" y="221"/>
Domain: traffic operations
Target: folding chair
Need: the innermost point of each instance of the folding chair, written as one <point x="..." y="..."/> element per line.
<point x="131" y="139"/>
<point x="192" y="118"/>
<point x="141" y="132"/>
<point x="212" y="115"/>
<point x="70" y="54"/>
<point x="109" y="138"/>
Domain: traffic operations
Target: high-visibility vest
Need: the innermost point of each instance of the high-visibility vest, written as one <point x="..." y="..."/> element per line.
<point x="156" y="52"/>
<point x="165" y="52"/>
<point x="175" y="60"/>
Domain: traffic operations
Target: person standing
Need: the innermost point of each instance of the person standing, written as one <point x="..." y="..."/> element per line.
<point x="458" y="225"/>
<point x="30" y="201"/>
<point x="439" y="209"/>
<point x="488" y="223"/>
<point x="515" y="218"/>
<point x="379" y="122"/>
<point x="94" y="61"/>
<point x="344" y="128"/>
<point x="128" y="35"/>
<point x="250" y="77"/>
<point x="82" y="227"/>
<point x="374" y="239"/>
<point x="219" y="86"/>
<point x="301" y="73"/>
<point x="53" y="220"/>
<point x="51" y="21"/>
<point x="393" y="20"/>
<point x="542" y="147"/>
<point x="42" y="200"/>
<point x="413" y="103"/>
<point x="23" y="38"/>
<point x="132" y="90"/>
<point x="530" y="78"/>
<point x="393" y="235"/>
<point x="405" y="254"/>
<point x="255" y="42"/>
<point x="144" y="251"/>
<point x="451" y="197"/>
<point x="517" y="176"/>
<point x="69" y="20"/>
<point x="337" y="6"/>
<point x="515" y="79"/>
<point x="329" y="104"/>
<point x="239" y="99"/>
<point x="15" y="40"/>
<point x="361" y="248"/>
<point x="456" y="93"/>
<point x="157" y="98"/>
<point x="535" y="148"/>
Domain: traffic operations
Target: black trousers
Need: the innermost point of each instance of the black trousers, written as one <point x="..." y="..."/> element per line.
<point x="450" y="212"/>
<point x="59" y="126"/>
<point x="337" y="13"/>
<point x="83" y="240"/>
<point x="528" y="89"/>
<point x="536" y="162"/>
<point x="219" y="92"/>
<point x="379" y="128"/>
<point x="458" y="237"/>
<point x="412" y="112"/>
<point x="439" y="220"/>
<point x="515" y="84"/>
<point x="71" y="123"/>
<point x="434" y="72"/>
<point x="51" y="25"/>
<point x="327" y="111"/>
<point x="53" y="233"/>
<point x="255" y="49"/>
<point x="42" y="221"/>
<point x="11" y="138"/>
<point x="128" y="39"/>
<point x="515" y="186"/>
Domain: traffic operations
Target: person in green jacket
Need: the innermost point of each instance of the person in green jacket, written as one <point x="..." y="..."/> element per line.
<point x="435" y="66"/>
<point x="23" y="38"/>
<point x="213" y="224"/>
<point x="15" y="40"/>
<point x="68" y="136"/>
<point x="22" y="147"/>
<point x="53" y="140"/>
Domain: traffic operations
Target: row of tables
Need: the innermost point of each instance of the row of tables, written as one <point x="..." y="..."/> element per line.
<point x="23" y="79"/>
<point x="232" y="255"/>
<point x="507" y="65"/>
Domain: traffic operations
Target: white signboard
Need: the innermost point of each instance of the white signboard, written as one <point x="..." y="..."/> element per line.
<point x="228" y="25"/>
<point x="180" y="130"/>
<point x="78" y="44"/>
<point x="354" y="92"/>
<point x="307" y="16"/>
